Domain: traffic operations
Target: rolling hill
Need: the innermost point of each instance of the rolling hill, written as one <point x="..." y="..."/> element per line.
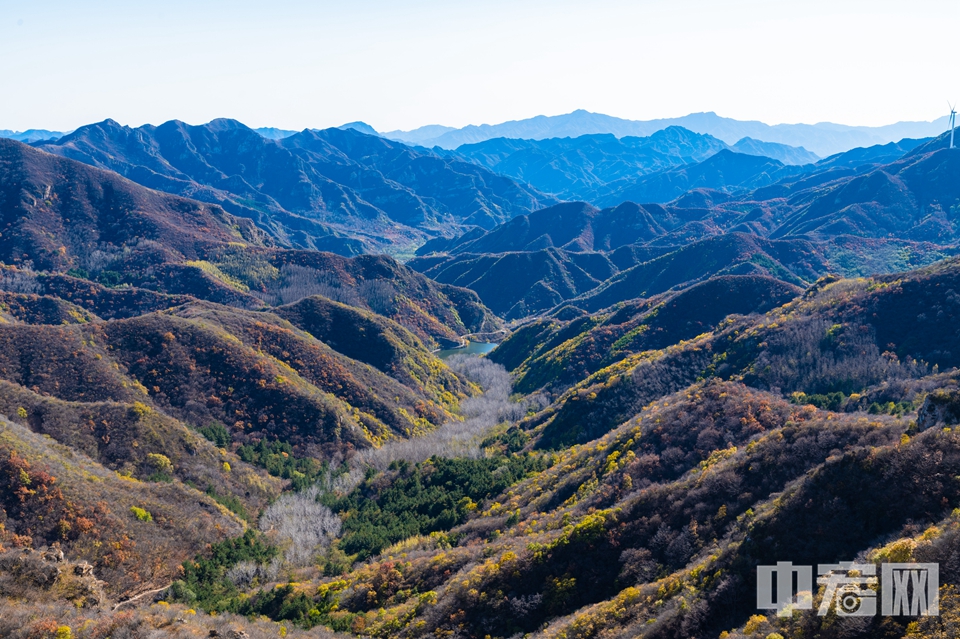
<point x="156" y="399"/>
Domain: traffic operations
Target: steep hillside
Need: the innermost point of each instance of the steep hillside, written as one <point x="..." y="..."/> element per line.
<point x="196" y="369"/>
<point x="371" y="339"/>
<point x="34" y="309"/>
<point x="848" y="215"/>
<point x="914" y="198"/>
<point x="560" y="354"/>
<point x="578" y="226"/>
<point x="656" y="528"/>
<point x="841" y="338"/>
<point x="126" y="437"/>
<point x="154" y="407"/>
<point x="792" y="261"/>
<point x="519" y="284"/>
<point x="662" y="491"/>
<point x="516" y="285"/>
<point x="134" y="533"/>
<point x="72" y="219"/>
<point x="338" y="190"/>
<point x="571" y="167"/>
<point x="57" y="214"/>
<point x="452" y="191"/>
<point x="94" y="298"/>
<point x="189" y="419"/>
<point x="724" y="171"/>
<point x="658" y="452"/>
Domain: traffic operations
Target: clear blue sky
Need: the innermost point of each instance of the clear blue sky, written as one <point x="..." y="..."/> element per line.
<point x="395" y="64"/>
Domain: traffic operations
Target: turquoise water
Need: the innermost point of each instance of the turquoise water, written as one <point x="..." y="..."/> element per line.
<point x="472" y="348"/>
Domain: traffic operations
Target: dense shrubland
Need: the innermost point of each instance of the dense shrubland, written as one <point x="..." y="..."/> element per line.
<point x="557" y="355"/>
<point x="42" y="620"/>
<point x="650" y="497"/>
<point x="836" y="338"/>
<point x="672" y="450"/>
<point x="674" y="489"/>
<point x="431" y="496"/>
<point x="133" y="532"/>
<point x="414" y="497"/>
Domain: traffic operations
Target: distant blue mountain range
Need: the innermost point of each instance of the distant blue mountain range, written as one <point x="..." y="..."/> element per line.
<point x="596" y="166"/>
<point x="823" y="139"/>
<point x="31" y="135"/>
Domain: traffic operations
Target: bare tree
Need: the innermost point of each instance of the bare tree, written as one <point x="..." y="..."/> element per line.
<point x="301" y="523"/>
<point x="460" y="438"/>
<point x="245" y="573"/>
<point x="18" y="281"/>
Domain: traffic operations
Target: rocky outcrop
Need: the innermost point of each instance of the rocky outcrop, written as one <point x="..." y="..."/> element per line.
<point x="45" y="574"/>
<point x="941" y="407"/>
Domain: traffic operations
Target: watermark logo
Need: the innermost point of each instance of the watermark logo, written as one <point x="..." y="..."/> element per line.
<point x="782" y="577"/>
<point x="911" y="590"/>
<point x="908" y="589"/>
<point x="847" y="586"/>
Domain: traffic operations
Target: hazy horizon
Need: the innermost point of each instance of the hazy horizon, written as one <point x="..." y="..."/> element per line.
<point x="396" y="66"/>
<point x="478" y="124"/>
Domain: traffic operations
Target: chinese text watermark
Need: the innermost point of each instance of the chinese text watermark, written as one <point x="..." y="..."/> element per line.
<point x="906" y="589"/>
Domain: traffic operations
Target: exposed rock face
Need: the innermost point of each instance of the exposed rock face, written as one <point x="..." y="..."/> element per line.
<point x="940" y="408"/>
<point x="44" y="574"/>
<point x="28" y="568"/>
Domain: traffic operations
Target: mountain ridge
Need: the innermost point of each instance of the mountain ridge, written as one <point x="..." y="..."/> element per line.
<point x="367" y="194"/>
<point x="847" y="214"/>
<point x="823" y="138"/>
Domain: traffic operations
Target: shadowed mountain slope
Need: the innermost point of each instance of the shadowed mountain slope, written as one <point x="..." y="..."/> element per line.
<point x="519" y="284"/>
<point x="913" y="198"/>
<point x="724" y="171"/>
<point x="573" y="167"/>
<point x="780" y="152"/>
<point x="842" y="336"/>
<point x="574" y="226"/>
<point x="63" y="215"/>
<point x="560" y="353"/>
<point x="339" y="190"/>
<point x="847" y="215"/>
<point x="203" y="364"/>
<point x="56" y="212"/>
<point x="793" y="261"/>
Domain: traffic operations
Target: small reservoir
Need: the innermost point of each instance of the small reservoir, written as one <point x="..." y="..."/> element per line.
<point x="472" y="348"/>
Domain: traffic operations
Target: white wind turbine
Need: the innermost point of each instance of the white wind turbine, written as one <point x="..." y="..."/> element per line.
<point x="953" y="121"/>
